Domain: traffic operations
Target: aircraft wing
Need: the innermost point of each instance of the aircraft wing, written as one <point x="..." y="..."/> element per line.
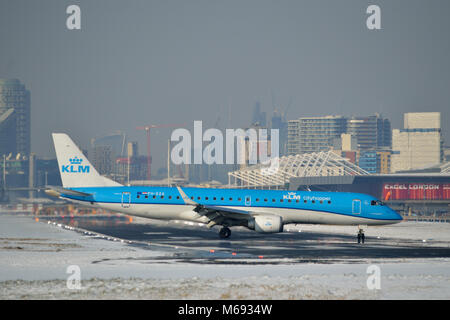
<point x="217" y="214"/>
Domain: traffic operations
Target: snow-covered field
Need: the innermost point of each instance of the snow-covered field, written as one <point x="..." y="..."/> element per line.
<point x="35" y="257"/>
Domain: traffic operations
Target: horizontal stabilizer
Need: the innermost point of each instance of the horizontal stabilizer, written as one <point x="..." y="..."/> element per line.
<point x="58" y="191"/>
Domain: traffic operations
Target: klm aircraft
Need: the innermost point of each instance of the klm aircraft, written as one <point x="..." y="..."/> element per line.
<point x="264" y="211"/>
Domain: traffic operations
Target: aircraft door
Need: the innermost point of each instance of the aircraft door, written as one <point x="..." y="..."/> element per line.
<point x="126" y="199"/>
<point x="356" y="206"/>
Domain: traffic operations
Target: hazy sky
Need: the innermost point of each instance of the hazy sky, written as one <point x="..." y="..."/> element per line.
<point x="157" y="62"/>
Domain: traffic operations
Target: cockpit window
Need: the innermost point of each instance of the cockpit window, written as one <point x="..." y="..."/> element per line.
<point x="376" y="203"/>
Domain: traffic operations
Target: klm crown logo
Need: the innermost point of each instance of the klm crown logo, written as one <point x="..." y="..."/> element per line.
<point x="75" y="166"/>
<point x="75" y="160"/>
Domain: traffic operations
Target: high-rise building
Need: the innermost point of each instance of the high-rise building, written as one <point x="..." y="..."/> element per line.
<point x="370" y="132"/>
<point x="132" y="149"/>
<point x="279" y="123"/>
<point x="103" y="159"/>
<point x="105" y="151"/>
<point x="384" y="161"/>
<point x="293" y="145"/>
<point x="117" y="142"/>
<point x="131" y="167"/>
<point x="368" y="161"/>
<point x="8" y="143"/>
<point x="258" y="117"/>
<point x="375" y="161"/>
<point x="314" y="134"/>
<point x="419" y="144"/>
<point x="15" y="117"/>
<point x="346" y="142"/>
<point x="259" y="150"/>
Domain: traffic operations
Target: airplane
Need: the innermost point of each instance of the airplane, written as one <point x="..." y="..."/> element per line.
<point x="264" y="211"/>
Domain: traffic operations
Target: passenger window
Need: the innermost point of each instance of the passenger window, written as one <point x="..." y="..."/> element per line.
<point x="178" y="197"/>
<point x="138" y="196"/>
<point x="281" y="200"/>
<point x="305" y="201"/>
<point x="162" y="197"/>
<point x="273" y="200"/>
<point x="289" y="200"/>
<point x="206" y="198"/>
<point x="257" y="200"/>
<point x="214" y="198"/>
<point x="154" y="197"/>
<point x="329" y="201"/>
<point x="231" y="199"/>
<point x="314" y="201"/>
<point x="239" y="199"/>
<point x="221" y="198"/>
<point x="265" y="200"/>
<point x="297" y="201"/>
<point x="321" y="201"/>
<point x="170" y="197"/>
<point x="146" y="196"/>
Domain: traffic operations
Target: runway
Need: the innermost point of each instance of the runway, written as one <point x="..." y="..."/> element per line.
<point x="197" y="244"/>
<point x="146" y="259"/>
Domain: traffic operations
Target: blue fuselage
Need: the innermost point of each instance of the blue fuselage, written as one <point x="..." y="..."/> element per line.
<point x="292" y="206"/>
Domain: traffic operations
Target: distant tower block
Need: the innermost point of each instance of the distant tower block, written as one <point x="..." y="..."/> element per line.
<point x="14" y="96"/>
<point x="132" y="149"/>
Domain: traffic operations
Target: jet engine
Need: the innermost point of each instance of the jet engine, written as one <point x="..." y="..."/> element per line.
<point x="266" y="224"/>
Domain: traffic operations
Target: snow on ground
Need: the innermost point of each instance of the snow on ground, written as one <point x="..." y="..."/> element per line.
<point x="405" y="230"/>
<point x="31" y="250"/>
<point x="305" y="282"/>
<point x="34" y="257"/>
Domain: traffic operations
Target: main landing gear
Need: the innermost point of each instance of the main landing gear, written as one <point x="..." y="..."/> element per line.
<point x="225" y="233"/>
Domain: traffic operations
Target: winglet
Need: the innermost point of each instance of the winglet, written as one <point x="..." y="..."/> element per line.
<point x="185" y="197"/>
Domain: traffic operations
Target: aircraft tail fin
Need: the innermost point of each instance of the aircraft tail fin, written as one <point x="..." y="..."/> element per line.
<point x="75" y="169"/>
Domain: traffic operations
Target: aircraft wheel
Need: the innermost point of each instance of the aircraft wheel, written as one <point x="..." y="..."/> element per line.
<point x="225" y="233"/>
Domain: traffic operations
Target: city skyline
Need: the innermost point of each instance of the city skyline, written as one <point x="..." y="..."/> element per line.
<point x="139" y="63"/>
<point x="369" y="133"/>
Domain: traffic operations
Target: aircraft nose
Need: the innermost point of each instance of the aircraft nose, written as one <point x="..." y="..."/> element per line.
<point x="394" y="215"/>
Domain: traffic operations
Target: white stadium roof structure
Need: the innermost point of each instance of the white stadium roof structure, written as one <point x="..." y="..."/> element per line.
<point x="294" y="166"/>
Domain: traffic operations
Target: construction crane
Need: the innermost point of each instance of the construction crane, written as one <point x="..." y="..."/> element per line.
<point x="147" y="130"/>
